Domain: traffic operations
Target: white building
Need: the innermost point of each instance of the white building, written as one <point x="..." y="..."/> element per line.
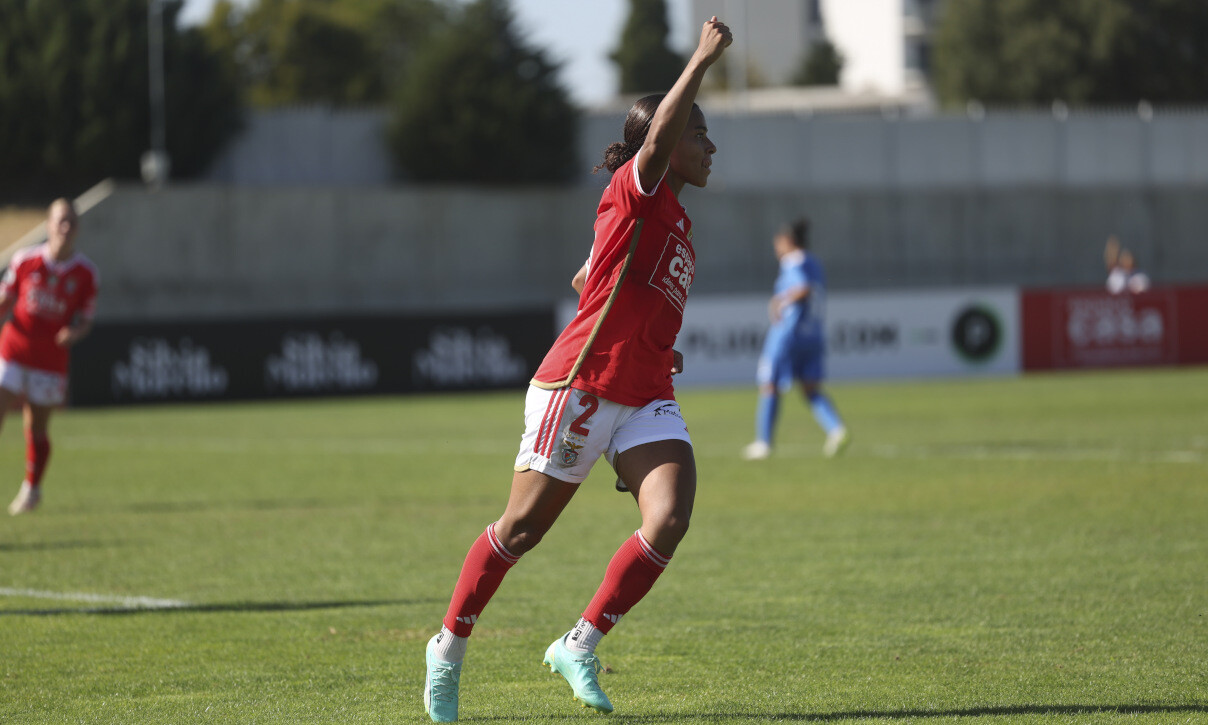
<point x="886" y="44"/>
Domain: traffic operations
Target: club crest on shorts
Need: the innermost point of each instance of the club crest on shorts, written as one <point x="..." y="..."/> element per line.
<point x="569" y="455"/>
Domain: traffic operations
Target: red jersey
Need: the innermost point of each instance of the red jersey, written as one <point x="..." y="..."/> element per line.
<point x="48" y="296"/>
<point x="618" y="346"/>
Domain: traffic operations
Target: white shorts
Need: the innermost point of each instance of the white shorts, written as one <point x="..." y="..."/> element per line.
<point x="567" y="430"/>
<point x="36" y="386"/>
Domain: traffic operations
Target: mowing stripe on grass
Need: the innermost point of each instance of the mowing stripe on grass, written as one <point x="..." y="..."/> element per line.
<point x="1005" y="452"/>
<point x="124" y="602"/>
<point x="1037" y="453"/>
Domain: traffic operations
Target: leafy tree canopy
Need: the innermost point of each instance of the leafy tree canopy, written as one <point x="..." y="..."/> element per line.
<point x="74" y="98"/>
<point x="479" y="106"/>
<point x="337" y="52"/>
<point x="645" y="62"/>
<point x="821" y="66"/>
<point x="1079" y="51"/>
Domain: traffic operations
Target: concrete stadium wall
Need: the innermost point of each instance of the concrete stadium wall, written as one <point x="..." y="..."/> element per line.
<point x="215" y="252"/>
<point x="765" y="151"/>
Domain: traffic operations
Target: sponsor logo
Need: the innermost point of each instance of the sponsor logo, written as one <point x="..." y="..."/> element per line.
<point x="156" y="369"/>
<point x="1119" y="330"/>
<point x="670" y="409"/>
<point x="674" y="272"/>
<point x="458" y="356"/>
<point x="976" y="333"/>
<point x="44" y="303"/>
<point x="717" y="343"/>
<point x="864" y="336"/>
<point x="1109" y="321"/>
<point x="310" y="363"/>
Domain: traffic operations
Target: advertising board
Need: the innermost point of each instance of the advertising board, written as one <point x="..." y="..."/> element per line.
<point x="1091" y="328"/>
<point x="879" y="335"/>
<point x="223" y="360"/>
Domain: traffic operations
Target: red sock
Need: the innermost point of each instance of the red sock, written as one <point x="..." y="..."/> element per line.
<point x="481" y="575"/>
<point x="629" y="576"/>
<point x="37" y="453"/>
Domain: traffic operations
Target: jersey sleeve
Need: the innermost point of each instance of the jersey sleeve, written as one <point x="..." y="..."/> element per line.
<point x="10" y="282"/>
<point x="88" y="296"/>
<point x="796" y="275"/>
<point x="628" y="195"/>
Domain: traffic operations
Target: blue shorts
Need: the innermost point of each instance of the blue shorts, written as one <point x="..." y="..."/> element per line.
<point x="788" y="359"/>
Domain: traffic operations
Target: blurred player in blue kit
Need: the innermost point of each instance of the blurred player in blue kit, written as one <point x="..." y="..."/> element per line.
<point x="795" y="346"/>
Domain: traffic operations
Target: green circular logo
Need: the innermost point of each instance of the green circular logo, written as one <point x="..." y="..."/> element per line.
<point x="977" y="333"/>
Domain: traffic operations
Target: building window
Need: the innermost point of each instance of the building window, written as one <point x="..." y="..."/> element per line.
<point x="918" y="55"/>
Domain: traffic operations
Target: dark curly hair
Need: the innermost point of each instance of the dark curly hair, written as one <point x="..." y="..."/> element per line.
<point x="798" y="231"/>
<point x="637" y="126"/>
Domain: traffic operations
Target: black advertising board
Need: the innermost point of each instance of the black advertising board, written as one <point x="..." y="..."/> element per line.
<point x="130" y="363"/>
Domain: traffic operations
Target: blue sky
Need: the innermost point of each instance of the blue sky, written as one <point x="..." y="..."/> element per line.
<point x="577" y="33"/>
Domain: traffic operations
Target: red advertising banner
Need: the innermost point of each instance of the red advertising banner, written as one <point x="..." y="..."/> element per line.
<point x="1091" y="328"/>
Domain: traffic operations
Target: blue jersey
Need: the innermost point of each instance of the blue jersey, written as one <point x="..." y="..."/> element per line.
<point x="803" y="319"/>
<point x="796" y="343"/>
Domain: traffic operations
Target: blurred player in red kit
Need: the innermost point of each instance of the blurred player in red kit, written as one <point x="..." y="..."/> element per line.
<point x="50" y="289"/>
<point x="605" y="390"/>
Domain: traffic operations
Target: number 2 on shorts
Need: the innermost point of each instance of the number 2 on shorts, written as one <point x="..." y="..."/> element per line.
<point x="589" y="404"/>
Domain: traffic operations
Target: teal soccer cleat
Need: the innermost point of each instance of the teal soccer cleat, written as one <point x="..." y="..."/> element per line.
<point x="440" y="687"/>
<point x="582" y="672"/>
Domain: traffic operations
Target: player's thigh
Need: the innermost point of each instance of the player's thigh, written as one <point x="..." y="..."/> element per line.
<point x="565" y="432"/>
<point x="37" y="418"/>
<point x="652" y="453"/>
<point x="534" y="504"/>
<point x="662" y="477"/>
<point x="774" y="371"/>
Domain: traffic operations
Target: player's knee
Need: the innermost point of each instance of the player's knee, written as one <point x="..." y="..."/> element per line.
<point x="672" y="525"/>
<point x="521" y="536"/>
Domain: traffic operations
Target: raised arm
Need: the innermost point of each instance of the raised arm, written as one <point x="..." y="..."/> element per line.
<point x="671" y="118"/>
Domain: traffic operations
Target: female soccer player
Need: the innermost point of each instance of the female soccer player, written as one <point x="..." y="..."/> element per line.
<point x="51" y="291"/>
<point x="795" y="347"/>
<point x="605" y="388"/>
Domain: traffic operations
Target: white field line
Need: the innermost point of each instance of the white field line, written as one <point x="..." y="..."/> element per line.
<point x="223" y="444"/>
<point x="1030" y="453"/>
<point x="119" y="601"/>
<point x="1197" y="455"/>
<point x="1021" y="452"/>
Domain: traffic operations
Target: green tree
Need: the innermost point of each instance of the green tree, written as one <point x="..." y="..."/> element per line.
<point x="479" y="106"/>
<point x="644" y="61"/>
<point x="821" y="66"/>
<point x="339" y="52"/>
<point x="1080" y="51"/>
<point x="74" y="101"/>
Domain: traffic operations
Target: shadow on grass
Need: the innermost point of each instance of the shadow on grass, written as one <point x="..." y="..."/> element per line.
<point x="248" y="607"/>
<point x="52" y="545"/>
<point x="989" y="711"/>
<point x="253" y="504"/>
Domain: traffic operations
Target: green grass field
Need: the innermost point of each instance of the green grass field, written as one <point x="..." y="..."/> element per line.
<point x="1011" y="551"/>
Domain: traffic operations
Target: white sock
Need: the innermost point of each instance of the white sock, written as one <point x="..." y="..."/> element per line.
<point x="449" y="647"/>
<point x="583" y="638"/>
